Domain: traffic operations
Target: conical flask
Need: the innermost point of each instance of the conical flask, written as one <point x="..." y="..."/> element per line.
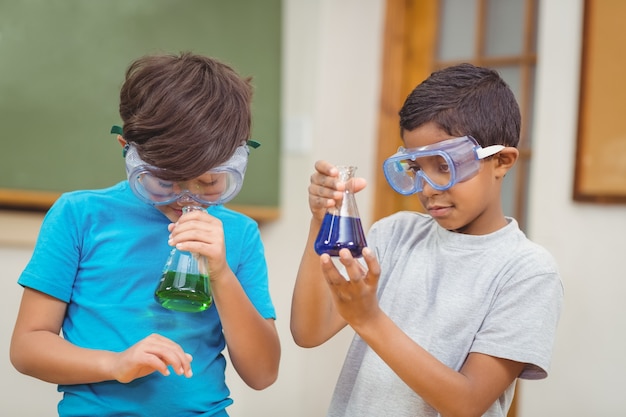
<point x="185" y="284"/>
<point x="341" y="227"/>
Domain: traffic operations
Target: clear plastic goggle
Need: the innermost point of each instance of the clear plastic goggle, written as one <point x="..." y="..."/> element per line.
<point x="216" y="186"/>
<point x="441" y="164"/>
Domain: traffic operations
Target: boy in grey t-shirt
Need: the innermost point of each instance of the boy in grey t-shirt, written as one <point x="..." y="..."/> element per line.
<point x="454" y="305"/>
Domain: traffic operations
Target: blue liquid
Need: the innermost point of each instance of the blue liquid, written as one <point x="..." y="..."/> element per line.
<point x="338" y="232"/>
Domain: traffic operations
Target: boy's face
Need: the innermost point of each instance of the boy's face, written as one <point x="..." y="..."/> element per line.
<point x="209" y="186"/>
<point x="472" y="206"/>
<point x="216" y="186"/>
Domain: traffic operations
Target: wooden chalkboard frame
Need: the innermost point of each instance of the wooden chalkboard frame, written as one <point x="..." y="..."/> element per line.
<point x="243" y="33"/>
<point x="600" y="168"/>
<point x="43" y="200"/>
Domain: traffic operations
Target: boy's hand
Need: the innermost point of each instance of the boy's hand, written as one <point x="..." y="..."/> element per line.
<point x="355" y="299"/>
<point x="154" y="353"/>
<point x="199" y="232"/>
<point x="325" y="189"/>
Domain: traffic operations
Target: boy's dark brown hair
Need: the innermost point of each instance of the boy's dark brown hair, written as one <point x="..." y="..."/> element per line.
<point x="465" y="100"/>
<point x="185" y="113"/>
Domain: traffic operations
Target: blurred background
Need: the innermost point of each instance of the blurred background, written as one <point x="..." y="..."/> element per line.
<point x="330" y="77"/>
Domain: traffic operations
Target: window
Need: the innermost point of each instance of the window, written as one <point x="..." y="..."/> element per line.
<point x="425" y="35"/>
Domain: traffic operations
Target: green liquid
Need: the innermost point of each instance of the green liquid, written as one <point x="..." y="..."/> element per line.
<point x="184" y="292"/>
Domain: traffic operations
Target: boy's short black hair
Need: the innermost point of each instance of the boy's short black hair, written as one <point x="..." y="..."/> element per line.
<point x="185" y="113"/>
<point x="465" y="100"/>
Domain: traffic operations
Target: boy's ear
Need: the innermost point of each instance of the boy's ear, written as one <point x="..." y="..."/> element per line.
<point x="505" y="159"/>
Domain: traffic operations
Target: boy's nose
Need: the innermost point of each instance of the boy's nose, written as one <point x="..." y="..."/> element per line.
<point x="427" y="189"/>
<point x="177" y="188"/>
<point x="185" y="199"/>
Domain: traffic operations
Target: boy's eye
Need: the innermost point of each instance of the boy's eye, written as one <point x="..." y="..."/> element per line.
<point x="413" y="167"/>
<point x="444" y="168"/>
<point x="208" y="183"/>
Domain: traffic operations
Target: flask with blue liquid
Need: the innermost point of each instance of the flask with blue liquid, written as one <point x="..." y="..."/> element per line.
<point x="342" y="226"/>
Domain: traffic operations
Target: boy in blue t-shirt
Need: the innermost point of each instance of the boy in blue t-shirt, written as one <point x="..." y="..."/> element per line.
<point x="89" y="320"/>
<point x="449" y="307"/>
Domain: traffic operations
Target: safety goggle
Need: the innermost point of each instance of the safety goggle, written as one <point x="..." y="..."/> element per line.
<point x="441" y="164"/>
<point x="217" y="186"/>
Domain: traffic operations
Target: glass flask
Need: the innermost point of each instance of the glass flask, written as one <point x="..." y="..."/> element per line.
<point x="342" y="227"/>
<point x="185" y="284"/>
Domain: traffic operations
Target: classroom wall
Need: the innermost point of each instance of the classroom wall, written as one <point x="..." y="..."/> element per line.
<point x="330" y="98"/>
<point x="586" y="239"/>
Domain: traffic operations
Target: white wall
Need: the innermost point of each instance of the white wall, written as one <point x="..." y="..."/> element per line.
<point x="587" y="240"/>
<point x="330" y="106"/>
<point x="19" y="394"/>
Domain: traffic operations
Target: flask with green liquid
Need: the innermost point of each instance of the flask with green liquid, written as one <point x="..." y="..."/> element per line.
<point x="185" y="284"/>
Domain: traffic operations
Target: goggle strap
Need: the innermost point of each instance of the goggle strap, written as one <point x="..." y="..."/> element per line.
<point x="482" y="153"/>
<point x="253" y="144"/>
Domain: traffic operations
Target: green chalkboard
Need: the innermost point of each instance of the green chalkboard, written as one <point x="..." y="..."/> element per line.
<point x="62" y="64"/>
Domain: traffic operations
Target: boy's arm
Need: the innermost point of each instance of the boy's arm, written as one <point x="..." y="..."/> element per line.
<point x="253" y="343"/>
<point x="38" y="350"/>
<point x="314" y="318"/>
<point x="469" y="392"/>
<point x="252" y="340"/>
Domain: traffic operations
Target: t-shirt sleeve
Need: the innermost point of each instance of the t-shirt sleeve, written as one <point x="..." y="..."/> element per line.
<point x="522" y="323"/>
<point x="251" y="269"/>
<point x="52" y="267"/>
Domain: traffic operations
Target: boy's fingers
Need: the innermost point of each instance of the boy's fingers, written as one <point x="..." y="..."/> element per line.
<point x="358" y="184"/>
<point x="326" y="168"/>
<point x="356" y="268"/>
<point x="331" y="273"/>
<point x="370" y="260"/>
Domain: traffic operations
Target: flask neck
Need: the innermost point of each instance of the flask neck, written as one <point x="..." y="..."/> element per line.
<point x="190" y="208"/>
<point x="346" y="174"/>
<point x="347" y="206"/>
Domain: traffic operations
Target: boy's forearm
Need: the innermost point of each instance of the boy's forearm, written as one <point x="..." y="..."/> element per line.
<point x="255" y="355"/>
<point x="466" y="393"/>
<point x="253" y="344"/>
<point x="51" y="358"/>
<point x="427" y="376"/>
<point x="314" y="318"/>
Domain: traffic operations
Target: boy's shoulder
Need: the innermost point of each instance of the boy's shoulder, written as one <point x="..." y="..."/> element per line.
<point x="404" y="220"/>
<point x="403" y="228"/>
<point x="232" y="218"/>
<point x="82" y="196"/>
<point x="400" y="217"/>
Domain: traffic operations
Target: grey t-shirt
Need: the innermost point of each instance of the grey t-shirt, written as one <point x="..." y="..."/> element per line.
<point x="498" y="294"/>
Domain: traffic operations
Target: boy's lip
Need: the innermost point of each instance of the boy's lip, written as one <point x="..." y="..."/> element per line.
<point x="177" y="211"/>
<point x="438" y="210"/>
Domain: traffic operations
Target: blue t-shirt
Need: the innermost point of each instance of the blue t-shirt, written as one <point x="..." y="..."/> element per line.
<point x="103" y="252"/>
